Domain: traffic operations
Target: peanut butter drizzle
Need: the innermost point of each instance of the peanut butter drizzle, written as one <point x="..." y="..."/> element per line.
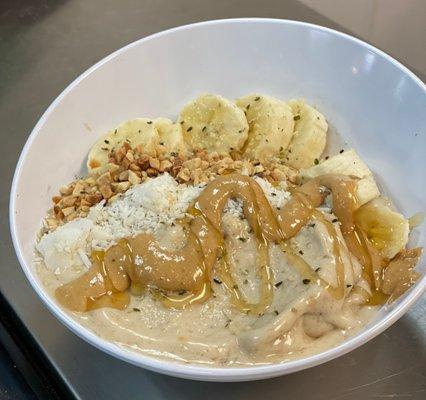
<point x="345" y="203"/>
<point x="339" y="290"/>
<point x="264" y="272"/>
<point x="305" y="269"/>
<point x="182" y="277"/>
<point x="261" y="218"/>
<point x="400" y="275"/>
<point x="92" y="290"/>
<point x="301" y="265"/>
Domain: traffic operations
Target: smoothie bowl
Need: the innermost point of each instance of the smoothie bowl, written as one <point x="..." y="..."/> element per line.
<point x="176" y="222"/>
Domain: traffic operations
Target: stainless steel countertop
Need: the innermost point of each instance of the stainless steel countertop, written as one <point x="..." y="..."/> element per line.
<point x="45" y="44"/>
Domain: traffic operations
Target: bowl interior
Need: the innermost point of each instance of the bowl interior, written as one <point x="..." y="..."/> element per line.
<point x="375" y="105"/>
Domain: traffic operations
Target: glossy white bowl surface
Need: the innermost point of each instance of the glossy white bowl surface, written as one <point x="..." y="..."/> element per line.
<point x="375" y="103"/>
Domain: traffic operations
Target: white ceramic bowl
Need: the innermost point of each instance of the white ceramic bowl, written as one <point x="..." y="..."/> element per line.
<point x="375" y="103"/>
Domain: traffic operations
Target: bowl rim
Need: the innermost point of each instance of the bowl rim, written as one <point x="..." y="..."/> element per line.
<point x="193" y="371"/>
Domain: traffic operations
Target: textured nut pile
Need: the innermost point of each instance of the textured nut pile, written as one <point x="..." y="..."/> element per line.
<point x="203" y="167"/>
<point x="128" y="167"/>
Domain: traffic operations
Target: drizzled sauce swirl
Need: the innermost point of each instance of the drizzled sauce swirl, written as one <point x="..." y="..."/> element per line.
<point x="182" y="277"/>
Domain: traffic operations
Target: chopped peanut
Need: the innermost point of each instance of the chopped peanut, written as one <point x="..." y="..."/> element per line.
<point x="78" y="189"/>
<point x="68" y="201"/>
<point x="128" y="167"/>
<point x="56" y="199"/>
<point x="154" y="163"/>
<point x="67" y="211"/>
<point x="133" y="178"/>
<point x="66" y="190"/>
<point x="129" y="156"/>
<point x="106" y="190"/>
<point x="124" y="176"/>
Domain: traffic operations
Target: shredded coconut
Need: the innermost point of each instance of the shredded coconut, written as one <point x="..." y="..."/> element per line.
<point x="277" y="197"/>
<point x="146" y="207"/>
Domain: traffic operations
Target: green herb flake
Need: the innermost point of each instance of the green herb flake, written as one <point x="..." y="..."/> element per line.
<point x="316" y="161"/>
<point x="217" y="281"/>
<point x="257" y="98"/>
<point x="306" y="281"/>
<point x="278" y="284"/>
<point x="189" y="129"/>
<point x="296" y="117"/>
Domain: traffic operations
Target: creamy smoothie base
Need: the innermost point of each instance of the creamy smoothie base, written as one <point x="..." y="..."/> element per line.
<point x="226" y="238"/>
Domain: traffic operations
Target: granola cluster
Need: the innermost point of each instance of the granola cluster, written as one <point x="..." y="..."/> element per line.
<point x="128" y="167"/>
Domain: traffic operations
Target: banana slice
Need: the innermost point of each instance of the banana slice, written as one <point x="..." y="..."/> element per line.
<point x="367" y="189"/>
<point x="347" y="163"/>
<point x="310" y="135"/>
<point x="141" y="131"/>
<point x="213" y="123"/>
<point x="170" y="135"/>
<point x="271" y="125"/>
<point x="386" y="229"/>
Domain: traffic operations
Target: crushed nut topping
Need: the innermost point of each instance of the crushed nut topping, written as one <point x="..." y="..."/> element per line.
<point x="130" y="166"/>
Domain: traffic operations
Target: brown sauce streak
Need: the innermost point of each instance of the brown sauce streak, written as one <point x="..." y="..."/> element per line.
<point x="339" y="290"/>
<point x="182" y="277"/>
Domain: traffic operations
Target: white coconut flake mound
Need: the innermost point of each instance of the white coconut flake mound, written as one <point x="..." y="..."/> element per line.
<point x="277" y="197"/>
<point x="146" y="207"/>
<point x="143" y="208"/>
<point x="61" y="247"/>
